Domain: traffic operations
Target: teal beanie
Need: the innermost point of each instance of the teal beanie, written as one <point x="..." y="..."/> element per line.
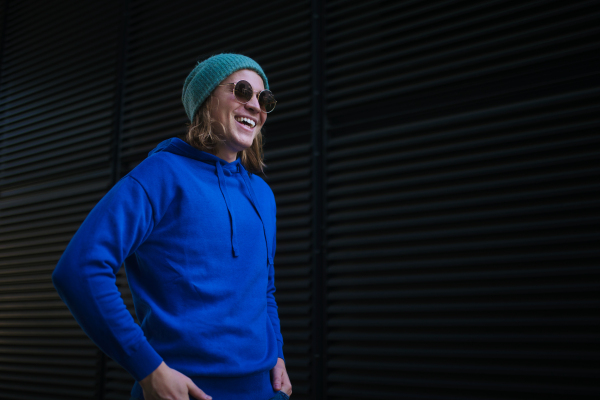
<point x="203" y="79"/>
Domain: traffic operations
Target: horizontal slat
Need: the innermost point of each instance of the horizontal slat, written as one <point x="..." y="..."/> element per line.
<point x="465" y="384"/>
<point x="454" y="156"/>
<point x="502" y="117"/>
<point x="462" y="322"/>
<point x="531" y="229"/>
<point x="539" y="338"/>
<point x="483" y="245"/>
<point x="445" y="35"/>
<point x="471" y="307"/>
<point x="458" y="189"/>
<point x="475" y="354"/>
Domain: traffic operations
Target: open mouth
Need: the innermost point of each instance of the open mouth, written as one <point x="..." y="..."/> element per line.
<point x="246" y="121"/>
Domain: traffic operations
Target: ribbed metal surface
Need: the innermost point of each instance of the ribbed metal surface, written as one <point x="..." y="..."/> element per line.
<point x="462" y="200"/>
<point x="289" y="177"/>
<point x="56" y="104"/>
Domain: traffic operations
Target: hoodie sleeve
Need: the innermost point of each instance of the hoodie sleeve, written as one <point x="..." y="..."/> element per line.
<point x="85" y="276"/>
<point x="272" y="305"/>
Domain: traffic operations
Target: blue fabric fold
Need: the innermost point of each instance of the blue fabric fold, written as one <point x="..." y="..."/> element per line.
<point x="256" y="207"/>
<point x="223" y="187"/>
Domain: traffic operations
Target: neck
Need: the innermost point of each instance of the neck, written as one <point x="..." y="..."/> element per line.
<point x="226" y="155"/>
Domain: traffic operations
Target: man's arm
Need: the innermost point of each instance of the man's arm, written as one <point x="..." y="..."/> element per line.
<point x="85" y="276"/>
<point x="279" y="376"/>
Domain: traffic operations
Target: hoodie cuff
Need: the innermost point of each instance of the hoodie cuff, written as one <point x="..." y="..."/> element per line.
<point x="142" y="362"/>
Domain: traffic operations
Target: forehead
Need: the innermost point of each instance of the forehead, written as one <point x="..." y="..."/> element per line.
<point x="247" y="75"/>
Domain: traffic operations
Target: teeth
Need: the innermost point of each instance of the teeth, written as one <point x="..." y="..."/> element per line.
<point x="247" y="120"/>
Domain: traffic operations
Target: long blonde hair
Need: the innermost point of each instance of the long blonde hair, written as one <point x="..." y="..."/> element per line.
<point x="202" y="136"/>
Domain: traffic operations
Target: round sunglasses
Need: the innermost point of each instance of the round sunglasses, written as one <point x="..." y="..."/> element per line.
<point x="243" y="93"/>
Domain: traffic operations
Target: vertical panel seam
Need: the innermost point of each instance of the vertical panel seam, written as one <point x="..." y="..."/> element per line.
<point x="3" y="36"/>
<point x="319" y="384"/>
<point x="119" y="100"/>
<point x="116" y="140"/>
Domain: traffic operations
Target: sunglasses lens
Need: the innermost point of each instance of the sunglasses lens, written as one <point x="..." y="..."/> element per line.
<point x="267" y="101"/>
<point x="243" y="91"/>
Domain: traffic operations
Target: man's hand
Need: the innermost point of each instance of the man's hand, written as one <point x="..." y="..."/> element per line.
<point x="168" y="384"/>
<point x="280" y="379"/>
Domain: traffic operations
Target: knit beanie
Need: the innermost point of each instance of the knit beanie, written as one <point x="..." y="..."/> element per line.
<point x="209" y="73"/>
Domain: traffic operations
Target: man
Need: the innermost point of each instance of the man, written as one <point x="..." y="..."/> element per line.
<point x="196" y="230"/>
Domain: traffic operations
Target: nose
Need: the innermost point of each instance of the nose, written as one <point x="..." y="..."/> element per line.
<point x="253" y="104"/>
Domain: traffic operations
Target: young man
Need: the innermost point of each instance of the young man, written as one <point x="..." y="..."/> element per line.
<point x="196" y="230"/>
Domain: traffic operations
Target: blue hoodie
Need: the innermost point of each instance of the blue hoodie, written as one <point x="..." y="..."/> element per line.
<point x="197" y="236"/>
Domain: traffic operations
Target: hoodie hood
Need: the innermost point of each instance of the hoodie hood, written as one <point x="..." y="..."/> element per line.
<point x="235" y="168"/>
<point x="179" y="147"/>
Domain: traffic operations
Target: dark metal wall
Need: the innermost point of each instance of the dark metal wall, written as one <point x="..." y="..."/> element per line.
<point x="434" y="165"/>
<point x="462" y="199"/>
<point x="56" y="111"/>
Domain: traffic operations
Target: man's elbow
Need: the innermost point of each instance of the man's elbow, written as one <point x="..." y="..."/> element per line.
<point x="61" y="277"/>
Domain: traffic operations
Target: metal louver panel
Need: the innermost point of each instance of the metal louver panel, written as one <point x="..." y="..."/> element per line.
<point x="56" y="105"/>
<point x="288" y="174"/>
<point x="462" y="200"/>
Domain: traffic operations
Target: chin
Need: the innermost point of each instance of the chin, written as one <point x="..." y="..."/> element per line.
<point x="246" y="147"/>
<point x="246" y="143"/>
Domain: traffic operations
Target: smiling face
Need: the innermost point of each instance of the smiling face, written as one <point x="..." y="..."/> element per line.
<point x="232" y="120"/>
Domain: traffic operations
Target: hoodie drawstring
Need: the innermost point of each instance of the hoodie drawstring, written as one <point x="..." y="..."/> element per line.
<point x="177" y="146"/>
<point x="244" y="173"/>
<point x="223" y="188"/>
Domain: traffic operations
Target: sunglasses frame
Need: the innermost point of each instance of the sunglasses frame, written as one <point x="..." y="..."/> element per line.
<point x="253" y="93"/>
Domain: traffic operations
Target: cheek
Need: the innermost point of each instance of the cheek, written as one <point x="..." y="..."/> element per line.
<point x="224" y="115"/>
<point x="219" y="122"/>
